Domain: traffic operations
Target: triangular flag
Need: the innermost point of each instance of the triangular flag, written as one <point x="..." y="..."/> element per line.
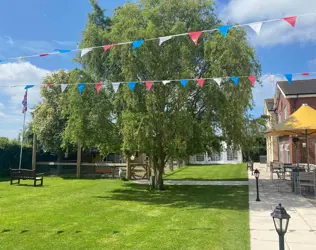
<point x="29" y="86"/>
<point x="62" y="50"/>
<point x="149" y="85"/>
<point x="115" y="86"/>
<point x="63" y="87"/>
<point x="256" y="27"/>
<point x="291" y="20"/>
<point x="184" y="82"/>
<point x="195" y="36"/>
<point x="137" y="44"/>
<point x="201" y="82"/>
<point x="98" y="86"/>
<point x="107" y="47"/>
<point x="164" y="39"/>
<point x="235" y="80"/>
<point x="305" y="74"/>
<point x="85" y="51"/>
<point x="252" y="79"/>
<point x="289" y="77"/>
<point x="132" y="85"/>
<point x="218" y="81"/>
<point x="224" y="29"/>
<point x="165" y="82"/>
<point x="41" y="55"/>
<point x="81" y="87"/>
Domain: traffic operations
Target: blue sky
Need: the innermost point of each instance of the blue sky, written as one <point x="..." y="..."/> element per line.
<point x="39" y="26"/>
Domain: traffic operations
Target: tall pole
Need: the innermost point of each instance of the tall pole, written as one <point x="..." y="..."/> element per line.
<point x="281" y="241"/>
<point x="257" y="189"/>
<point x="22" y="139"/>
<point x="307" y="149"/>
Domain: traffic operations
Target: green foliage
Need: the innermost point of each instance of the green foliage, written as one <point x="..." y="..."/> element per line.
<point x="170" y="121"/>
<point x="4" y="142"/>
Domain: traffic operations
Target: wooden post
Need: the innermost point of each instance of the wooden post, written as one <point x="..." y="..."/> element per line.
<point x="128" y="168"/>
<point x="34" y="152"/>
<point x="78" y="159"/>
<point x="148" y="168"/>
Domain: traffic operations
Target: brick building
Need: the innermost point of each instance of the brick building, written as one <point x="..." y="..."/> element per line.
<point x="288" y="98"/>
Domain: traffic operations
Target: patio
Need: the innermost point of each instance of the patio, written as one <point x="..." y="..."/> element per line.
<point x="301" y="233"/>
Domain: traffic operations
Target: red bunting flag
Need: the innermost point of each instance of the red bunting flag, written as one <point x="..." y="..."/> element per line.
<point x="107" y="47"/>
<point x="98" y="86"/>
<point x="41" y="55"/>
<point x="201" y="82"/>
<point x="195" y="36"/>
<point x="291" y="20"/>
<point x="252" y="79"/>
<point x="305" y="74"/>
<point x="149" y="85"/>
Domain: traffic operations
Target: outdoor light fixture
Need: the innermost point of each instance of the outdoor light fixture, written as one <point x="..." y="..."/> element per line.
<point x="133" y="157"/>
<point x="281" y="221"/>
<point x="257" y="174"/>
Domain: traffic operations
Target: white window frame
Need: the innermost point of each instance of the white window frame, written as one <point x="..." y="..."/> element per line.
<point x="232" y="155"/>
<point x="285" y="110"/>
<point x="287" y="153"/>
<point x="199" y="158"/>
<point x="281" y="153"/>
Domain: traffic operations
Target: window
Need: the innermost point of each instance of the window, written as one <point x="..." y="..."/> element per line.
<point x="216" y="156"/>
<point x="285" y="112"/>
<point x="281" y="153"/>
<point x="287" y="153"/>
<point x="232" y="155"/>
<point x="200" y="158"/>
<point x="279" y="117"/>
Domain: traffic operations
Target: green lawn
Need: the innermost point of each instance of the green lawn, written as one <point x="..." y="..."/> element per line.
<point x="112" y="214"/>
<point x="237" y="172"/>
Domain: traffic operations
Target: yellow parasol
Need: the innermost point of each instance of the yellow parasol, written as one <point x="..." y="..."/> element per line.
<point x="301" y="122"/>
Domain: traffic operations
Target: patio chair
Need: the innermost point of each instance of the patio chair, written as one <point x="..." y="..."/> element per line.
<point x="275" y="168"/>
<point x="307" y="179"/>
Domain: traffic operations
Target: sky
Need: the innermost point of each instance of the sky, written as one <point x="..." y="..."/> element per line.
<point x="40" y="26"/>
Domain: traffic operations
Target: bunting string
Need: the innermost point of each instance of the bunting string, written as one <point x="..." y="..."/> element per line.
<point x="149" y="83"/>
<point x="255" y="26"/>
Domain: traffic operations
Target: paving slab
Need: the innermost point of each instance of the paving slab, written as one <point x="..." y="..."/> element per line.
<point x="301" y="233"/>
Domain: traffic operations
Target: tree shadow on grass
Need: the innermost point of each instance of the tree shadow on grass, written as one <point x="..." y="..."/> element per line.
<point x="206" y="179"/>
<point x="219" y="197"/>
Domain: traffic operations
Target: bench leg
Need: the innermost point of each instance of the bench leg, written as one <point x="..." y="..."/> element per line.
<point x="35" y="183"/>
<point x="42" y="181"/>
<point x="18" y="181"/>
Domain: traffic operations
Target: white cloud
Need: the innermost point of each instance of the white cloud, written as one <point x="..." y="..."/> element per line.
<point x="19" y="75"/>
<point x="1" y="105"/>
<point x="279" y="32"/>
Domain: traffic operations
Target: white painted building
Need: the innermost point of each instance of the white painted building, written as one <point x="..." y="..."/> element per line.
<point x="227" y="156"/>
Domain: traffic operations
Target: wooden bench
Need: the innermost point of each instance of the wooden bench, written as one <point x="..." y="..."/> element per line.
<point x="25" y="174"/>
<point x="307" y="180"/>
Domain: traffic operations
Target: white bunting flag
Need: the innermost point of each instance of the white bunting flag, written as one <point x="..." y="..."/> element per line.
<point x="85" y="51"/>
<point x="165" y="82"/>
<point x="256" y="27"/>
<point x="63" y="87"/>
<point x="115" y="86"/>
<point x="164" y="39"/>
<point x="218" y="81"/>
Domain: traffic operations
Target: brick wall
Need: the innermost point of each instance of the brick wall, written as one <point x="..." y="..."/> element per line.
<point x="292" y="105"/>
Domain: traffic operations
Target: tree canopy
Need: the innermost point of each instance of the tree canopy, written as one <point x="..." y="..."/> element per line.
<point x="170" y="121"/>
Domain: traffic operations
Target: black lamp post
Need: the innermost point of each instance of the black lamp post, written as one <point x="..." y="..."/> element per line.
<point x="257" y="173"/>
<point x="281" y="222"/>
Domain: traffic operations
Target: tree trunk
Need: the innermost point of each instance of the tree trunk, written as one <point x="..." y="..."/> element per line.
<point x="59" y="158"/>
<point x="159" y="179"/>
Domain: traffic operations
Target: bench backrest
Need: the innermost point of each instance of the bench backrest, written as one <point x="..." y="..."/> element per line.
<point x="307" y="176"/>
<point x="23" y="173"/>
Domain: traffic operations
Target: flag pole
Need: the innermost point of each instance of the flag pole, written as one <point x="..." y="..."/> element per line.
<point x="22" y="137"/>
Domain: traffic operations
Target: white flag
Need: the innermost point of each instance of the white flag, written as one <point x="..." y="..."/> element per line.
<point x="63" y="87"/>
<point x="256" y="27"/>
<point x="218" y="81"/>
<point x="165" y="82"/>
<point x="115" y="86"/>
<point x="85" y="51"/>
<point x="164" y="39"/>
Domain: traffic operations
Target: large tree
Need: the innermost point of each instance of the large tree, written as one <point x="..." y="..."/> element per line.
<point x="171" y="121"/>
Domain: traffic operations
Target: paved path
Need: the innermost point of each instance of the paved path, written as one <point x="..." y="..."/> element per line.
<point x="200" y="183"/>
<point x="302" y="227"/>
